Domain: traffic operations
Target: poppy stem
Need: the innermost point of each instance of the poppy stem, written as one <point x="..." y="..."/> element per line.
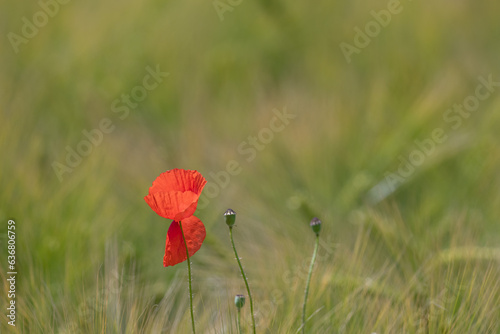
<point x="189" y="280"/>
<point x="306" y="293"/>
<point x="244" y="276"/>
<point x="239" y="320"/>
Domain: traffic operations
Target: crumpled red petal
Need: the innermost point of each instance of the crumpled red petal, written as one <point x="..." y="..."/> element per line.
<point x="179" y="180"/>
<point x="173" y="205"/>
<point x="175" y="250"/>
<point x="175" y="193"/>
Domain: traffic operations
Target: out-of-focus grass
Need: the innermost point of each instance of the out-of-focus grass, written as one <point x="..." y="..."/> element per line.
<point x="89" y="250"/>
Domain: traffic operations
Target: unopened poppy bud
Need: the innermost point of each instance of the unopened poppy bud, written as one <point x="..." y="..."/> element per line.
<point x="230" y="217"/>
<point x="315" y="225"/>
<point x="239" y="301"/>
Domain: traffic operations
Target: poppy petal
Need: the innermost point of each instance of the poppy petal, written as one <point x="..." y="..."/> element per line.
<point x="179" y="180"/>
<point x="175" y="250"/>
<point x="173" y="205"/>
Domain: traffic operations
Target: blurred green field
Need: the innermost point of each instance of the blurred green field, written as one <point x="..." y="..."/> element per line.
<point x="420" y="257"/>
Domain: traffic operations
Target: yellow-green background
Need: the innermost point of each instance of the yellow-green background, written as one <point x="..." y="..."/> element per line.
<point x="89" y="249"/>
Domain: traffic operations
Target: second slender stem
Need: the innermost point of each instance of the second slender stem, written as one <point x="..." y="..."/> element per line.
<point x="239" y="320"/>
<point x="244" y="277"/>
<point x="306" y="293"/>
<point x="189" y="279"/>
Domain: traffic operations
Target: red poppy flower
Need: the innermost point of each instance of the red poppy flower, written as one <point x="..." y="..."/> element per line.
<point x="174" y="195"/>
<point x="175" y="250"/>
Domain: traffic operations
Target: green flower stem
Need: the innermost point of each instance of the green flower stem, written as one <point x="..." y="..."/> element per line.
<point x="239" y="320"/>
<point x="189" y="279"/>
<point x="244" y="277"/>
<point x="306" y="293"/>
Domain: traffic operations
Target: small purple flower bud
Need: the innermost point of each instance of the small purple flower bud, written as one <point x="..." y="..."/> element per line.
<point x="230" y="217"/>
<point x="315" y="225"/>
<point x="239" y="301"/>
